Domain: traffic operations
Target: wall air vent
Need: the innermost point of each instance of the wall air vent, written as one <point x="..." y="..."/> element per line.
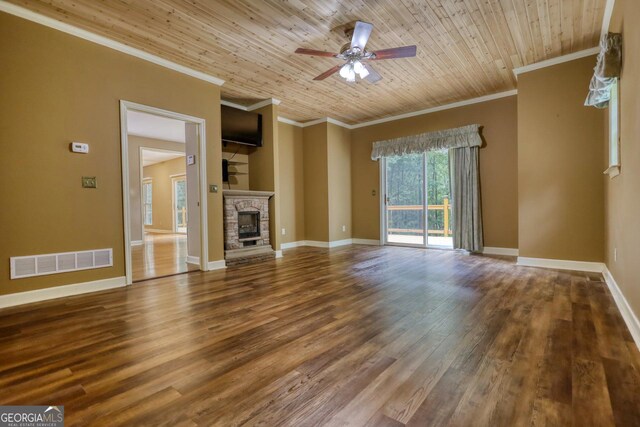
<point x="40" y="265"/>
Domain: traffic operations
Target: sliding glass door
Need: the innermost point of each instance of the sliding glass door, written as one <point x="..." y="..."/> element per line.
<point x="417" y="209"/>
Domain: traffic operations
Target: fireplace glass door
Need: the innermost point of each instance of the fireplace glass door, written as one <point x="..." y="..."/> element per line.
<point x="248" y="225"/>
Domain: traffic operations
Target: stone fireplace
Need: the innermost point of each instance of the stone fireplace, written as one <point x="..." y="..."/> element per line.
<point x="246" y="226"/>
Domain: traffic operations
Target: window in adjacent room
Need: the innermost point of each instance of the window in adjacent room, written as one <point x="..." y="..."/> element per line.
<point x="614" y="136"/>
<point x="147" y="198"/>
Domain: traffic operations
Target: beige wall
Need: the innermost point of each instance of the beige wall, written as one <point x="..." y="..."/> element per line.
<point x="316" y="190"/>
<point x="264" y="167"/>
<point x="339" y="181"/>
<point x="135" y="207"/>
<point x="160" y="175"/>
<point x="498" y="166"/>
<point x="560" y="185"/>
<point x="238" y="153"/>
<point x="291" y="182"/>
<point x="55" y="89"/>
<point x="622" y="221"/>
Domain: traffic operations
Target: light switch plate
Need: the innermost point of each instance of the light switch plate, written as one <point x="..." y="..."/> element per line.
<point x="89" y="182"/>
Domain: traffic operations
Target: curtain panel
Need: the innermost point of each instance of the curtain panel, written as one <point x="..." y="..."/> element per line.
<point x="465" y="136"/>
<point x="607" y="69"/>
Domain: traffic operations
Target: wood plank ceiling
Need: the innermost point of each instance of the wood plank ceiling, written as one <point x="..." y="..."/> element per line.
<point x="466" y="48"/>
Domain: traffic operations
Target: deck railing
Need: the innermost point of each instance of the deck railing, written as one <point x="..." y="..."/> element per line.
<point x="443" y="207"/>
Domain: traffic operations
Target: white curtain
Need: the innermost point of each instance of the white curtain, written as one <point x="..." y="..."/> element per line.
<point x="463" y="144"/>
<point x="606" y="71"/>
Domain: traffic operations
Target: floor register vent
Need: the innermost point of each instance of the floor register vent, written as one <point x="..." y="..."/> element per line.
<point x="40" y="265"/>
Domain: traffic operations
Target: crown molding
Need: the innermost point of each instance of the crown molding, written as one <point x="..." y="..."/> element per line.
<point x="290" y="122"/>
<point x="263" y="104"/>
<point x="253" y="106"/>
<point x="234" y="105"/>
<point x="103" y="41"/>
<point x="555" y="61"/>
<point x="606" y="18"/>
<point x="440" y="108"/>
<point x="401" y="116"/>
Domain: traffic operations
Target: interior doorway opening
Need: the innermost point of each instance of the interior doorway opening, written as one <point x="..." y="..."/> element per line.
<point x="164" y="189"/>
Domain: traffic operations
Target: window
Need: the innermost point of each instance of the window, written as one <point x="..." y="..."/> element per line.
<point x="614" y="137"/>
<point x="147" y="205"/>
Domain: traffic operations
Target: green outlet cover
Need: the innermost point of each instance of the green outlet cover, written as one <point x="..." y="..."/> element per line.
<point x="88" y="182"/>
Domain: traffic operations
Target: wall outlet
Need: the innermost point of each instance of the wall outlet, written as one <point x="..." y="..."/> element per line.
<point x="615" y="254"/>
<point x="344" y="227"/>
<point x="284" y="231"/>
<point x="89" y="182"/>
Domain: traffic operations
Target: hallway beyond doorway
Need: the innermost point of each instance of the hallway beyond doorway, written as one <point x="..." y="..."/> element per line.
<point x="160" y="255"/>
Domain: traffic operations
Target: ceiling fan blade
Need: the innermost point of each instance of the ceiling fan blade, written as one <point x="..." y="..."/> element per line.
<point x="329" y="72"/>
<point x="361" y="34"/>
<point x="373" y="76"/>
<point x="304" y="51"/>
<point x="395" y="52"/>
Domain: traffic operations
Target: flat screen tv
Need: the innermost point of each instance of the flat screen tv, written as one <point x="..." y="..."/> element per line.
<point x="241" y="127"/>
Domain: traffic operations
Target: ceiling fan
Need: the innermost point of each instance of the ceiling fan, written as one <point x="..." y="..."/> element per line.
<point x="356" y="57"/>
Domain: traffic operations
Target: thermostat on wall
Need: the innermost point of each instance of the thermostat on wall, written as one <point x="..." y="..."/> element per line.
<point x="79" y="147"/>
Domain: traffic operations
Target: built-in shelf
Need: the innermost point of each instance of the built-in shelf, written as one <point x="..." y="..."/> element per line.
<point x="237" y="162"/>
<point x="237" y="173"/>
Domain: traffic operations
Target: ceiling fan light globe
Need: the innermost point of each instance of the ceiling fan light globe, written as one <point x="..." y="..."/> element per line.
<point x="363" y="73"/>
<point x="357" y="67"/>
<point x="344" y="71"/>
<point x="352" y="75"/>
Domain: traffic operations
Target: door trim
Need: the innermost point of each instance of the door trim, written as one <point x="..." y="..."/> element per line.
<point x="383" y="210"/>
<point x="125" y="107"/>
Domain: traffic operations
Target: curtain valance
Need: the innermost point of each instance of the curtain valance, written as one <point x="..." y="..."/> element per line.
<point x="607" y="69"/>
<point x="465" y="136"/>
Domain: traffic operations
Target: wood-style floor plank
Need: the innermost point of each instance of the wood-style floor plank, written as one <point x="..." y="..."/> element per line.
<point x="359" y="335"/>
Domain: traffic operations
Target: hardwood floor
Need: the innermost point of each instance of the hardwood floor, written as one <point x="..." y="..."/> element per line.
<point x="349" y="336"/>
<point x="160" y="255"/>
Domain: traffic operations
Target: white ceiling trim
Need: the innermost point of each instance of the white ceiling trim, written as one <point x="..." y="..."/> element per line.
<point x="556" y="61"/>
<point x="263" y="104"/>
<point x="402" y="116"/>
<point x="252" y="107"/>
<point x="103" y="41"/>
<point x="606" y="19"/>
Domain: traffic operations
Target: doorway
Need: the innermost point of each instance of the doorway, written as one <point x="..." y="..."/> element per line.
<point x="179" y="203"/>
<point x="164" y="192"/>
<point x="416" y="207"/>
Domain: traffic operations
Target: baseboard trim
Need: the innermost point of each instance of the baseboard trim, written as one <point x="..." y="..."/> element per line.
<point x="279" y="253"/>
<point x="290" y="245"/>
<point x="137" y="243"/>
<point x="216" y="265"/>
<point x="193" y="260"/>
<point x="54" y="292"/>
<point x="333" y="244"/>
<point x="559" y="264"/>
<point x="500" y="251"/>
<point x="315" y="243"/>
<point x="627" y="313"/>
<point x="370" y="242"/>
<point x="343" y="242"/>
